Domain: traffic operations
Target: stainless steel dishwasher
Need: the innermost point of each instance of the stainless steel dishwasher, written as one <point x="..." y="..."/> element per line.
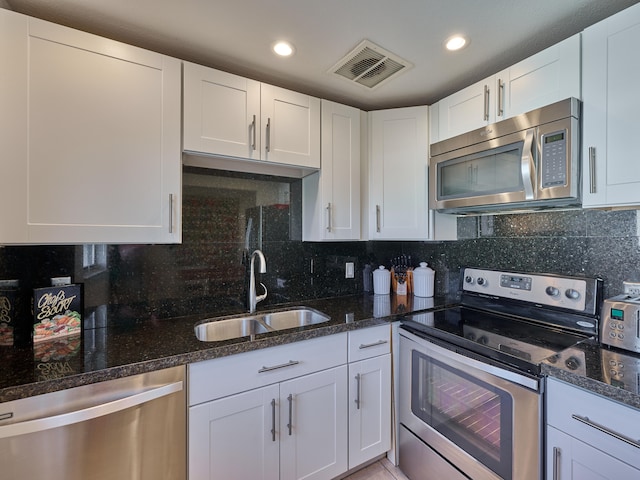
<point x="131" y="428"/>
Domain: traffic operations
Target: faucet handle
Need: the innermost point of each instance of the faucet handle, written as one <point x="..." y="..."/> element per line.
<point x="259" y="298"/>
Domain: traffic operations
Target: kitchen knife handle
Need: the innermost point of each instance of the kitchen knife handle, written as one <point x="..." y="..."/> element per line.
<point x="592" y="169"/>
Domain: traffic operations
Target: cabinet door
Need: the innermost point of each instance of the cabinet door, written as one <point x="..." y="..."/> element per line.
<point x="103" y="147"/>
<point x="331" y="197"/>
<point x="221" y="113"/>
<point x="236" y="437"/>
<point x="570" y="459"/>
<point x="611" y="66"/>
<point x="369" y="409"/>
<point x="398" y="206"/>
<point x="468" y="109"/>
<point x="290" y="127"/>
<point x="313" y="425"/>
<point x="544" y="78"/>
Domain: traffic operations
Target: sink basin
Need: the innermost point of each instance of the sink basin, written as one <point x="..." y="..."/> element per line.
<point x="248" y="325"/>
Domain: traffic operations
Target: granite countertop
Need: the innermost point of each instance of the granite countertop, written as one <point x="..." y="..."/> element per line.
<point x="118" y="351"/>
<point x="608" y="372"/>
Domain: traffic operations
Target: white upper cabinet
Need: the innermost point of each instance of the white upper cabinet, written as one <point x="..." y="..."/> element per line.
<point x="398" y="171"/>
<point x="611" y="66"/>
<point x="331" y="197"/>
<point x="544" y="78"/>
<point x="91" y="138"/>
<point x="231" y="116"/>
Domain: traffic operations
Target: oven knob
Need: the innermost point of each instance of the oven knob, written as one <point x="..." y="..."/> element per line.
<point x="481" y="281"/>
<point x="572" y="294"/>
<point x="552" y="291"/>
<point x="468" y="279"/>
<point x="471" y="336"/>
<point x="572" y="363"/>
<point x="483" y="340"/>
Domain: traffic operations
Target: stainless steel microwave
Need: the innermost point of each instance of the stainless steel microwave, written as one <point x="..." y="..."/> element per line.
<point x="531" y="161"/>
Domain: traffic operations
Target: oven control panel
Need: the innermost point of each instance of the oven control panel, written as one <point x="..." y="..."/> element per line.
<point x="549" y="290"/>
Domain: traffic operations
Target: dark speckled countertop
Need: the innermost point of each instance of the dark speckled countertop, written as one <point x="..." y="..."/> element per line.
<point x="113" y="352"/>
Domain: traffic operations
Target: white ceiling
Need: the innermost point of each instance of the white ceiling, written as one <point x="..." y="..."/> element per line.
<point x="236" y="36"/>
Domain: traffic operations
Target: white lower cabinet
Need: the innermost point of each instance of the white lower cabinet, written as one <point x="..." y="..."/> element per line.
<point x="276" y="413"/>
<point x="590" y="437"/>
<point x="369" y="394"/>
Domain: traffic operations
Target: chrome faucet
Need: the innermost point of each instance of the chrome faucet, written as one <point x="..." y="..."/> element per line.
<point x="253" y="298"/>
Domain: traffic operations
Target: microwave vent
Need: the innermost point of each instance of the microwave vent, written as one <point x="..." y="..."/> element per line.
<point x="369" y="65"/>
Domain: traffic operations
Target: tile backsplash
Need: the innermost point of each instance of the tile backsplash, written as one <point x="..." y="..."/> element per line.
<point x="207" y="273"/>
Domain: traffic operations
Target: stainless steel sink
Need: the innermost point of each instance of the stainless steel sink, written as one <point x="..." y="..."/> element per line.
<point x="215" y="330"/>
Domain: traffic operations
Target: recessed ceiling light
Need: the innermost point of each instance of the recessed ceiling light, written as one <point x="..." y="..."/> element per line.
<point x="284" y="49"/>
<point x="456" y="42"/>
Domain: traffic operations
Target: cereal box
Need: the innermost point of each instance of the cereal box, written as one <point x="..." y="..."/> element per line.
<point x="57" y="312"/>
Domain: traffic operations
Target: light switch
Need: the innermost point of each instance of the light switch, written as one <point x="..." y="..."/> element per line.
<point x="348" y="270"/>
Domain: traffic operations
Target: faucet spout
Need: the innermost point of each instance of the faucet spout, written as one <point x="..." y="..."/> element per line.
<point x="253" y="298"/>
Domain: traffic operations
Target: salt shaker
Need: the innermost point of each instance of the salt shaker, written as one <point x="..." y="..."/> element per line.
<point x="423" y="277"/>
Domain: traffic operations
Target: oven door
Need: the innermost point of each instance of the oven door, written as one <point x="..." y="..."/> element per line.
<point x="484" y="420"/>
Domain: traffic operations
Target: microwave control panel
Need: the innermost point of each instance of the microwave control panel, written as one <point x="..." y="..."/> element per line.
<point x="553" y="159"/>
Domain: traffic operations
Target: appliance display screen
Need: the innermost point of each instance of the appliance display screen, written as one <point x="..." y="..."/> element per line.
<point x="554" y="138"/>
<point x="617" y="314"/>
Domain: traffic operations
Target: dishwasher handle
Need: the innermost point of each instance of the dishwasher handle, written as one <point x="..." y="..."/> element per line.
<point x="55" y="421"/>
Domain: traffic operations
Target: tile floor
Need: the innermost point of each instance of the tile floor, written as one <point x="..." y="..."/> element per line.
<point x="381" y="470"/>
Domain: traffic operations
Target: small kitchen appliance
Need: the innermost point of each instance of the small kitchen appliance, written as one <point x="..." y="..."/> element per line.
<point x="470" y="401"/>
<point x="621" y="322"/>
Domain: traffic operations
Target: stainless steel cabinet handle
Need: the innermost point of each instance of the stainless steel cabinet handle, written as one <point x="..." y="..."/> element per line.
<point x="329" y="217"/>
<point x="378" y="218"/>
<point x="273" y="419"/>
<point x="500" y="97"/>
<point x="527" y="165"/>
<point x="592" y="169"/>
<point x="603" y="429"/>
<point x="253" y="131"/>
<point x="268" y="142"/>
<point x="101" y="410"/>
<point x="556" y="463"/>
<point x="290" y="363"/>
<point x="171" y="213"/>
<point x="374" y="344"/>
<point x="290" y="424"/>
<point x="357" y="400"/>
<point x="486" y="103"/>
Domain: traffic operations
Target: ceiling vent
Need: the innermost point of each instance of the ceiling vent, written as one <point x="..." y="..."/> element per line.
<point x="370" y="65"/>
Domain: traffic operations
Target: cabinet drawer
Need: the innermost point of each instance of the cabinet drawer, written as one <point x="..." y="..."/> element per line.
<point x="369" y="342"/>
<point x="595" y="420"/>
<point x="220" y="377"/>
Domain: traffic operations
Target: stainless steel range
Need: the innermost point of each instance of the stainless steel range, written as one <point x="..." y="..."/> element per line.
<point x="470" y="383"/>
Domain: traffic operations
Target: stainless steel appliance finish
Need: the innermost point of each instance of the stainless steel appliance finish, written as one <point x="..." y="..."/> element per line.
<point x="621" y="322"/>
<point x="130" y="428"/>
<point x="621" y="370"/>
<point x="470" y="382"/>
<point x="531" y="161"/>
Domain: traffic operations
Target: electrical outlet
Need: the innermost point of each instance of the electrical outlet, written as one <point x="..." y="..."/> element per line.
<point x="348" y="270"/>
<point x="631" y="288"/>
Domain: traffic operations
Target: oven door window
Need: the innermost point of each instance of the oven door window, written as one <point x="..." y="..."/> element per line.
<point x="473" y="414"/>
<point x="486" y="173"/>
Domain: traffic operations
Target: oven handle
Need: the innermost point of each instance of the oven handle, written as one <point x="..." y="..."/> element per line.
<point x="508" y="375"/>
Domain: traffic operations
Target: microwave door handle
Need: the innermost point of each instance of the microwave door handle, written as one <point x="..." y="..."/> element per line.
<point x="527" y="167"/>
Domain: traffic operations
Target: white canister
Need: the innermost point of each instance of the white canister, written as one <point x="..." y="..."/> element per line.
<point x="381" y="281"/>
<point x="423" y="280"/>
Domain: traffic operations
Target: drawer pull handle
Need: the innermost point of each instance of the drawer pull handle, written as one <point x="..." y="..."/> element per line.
<point x="616" y="435"/>
<point x="374" y="344"/>
<point x="290" y="363"/>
